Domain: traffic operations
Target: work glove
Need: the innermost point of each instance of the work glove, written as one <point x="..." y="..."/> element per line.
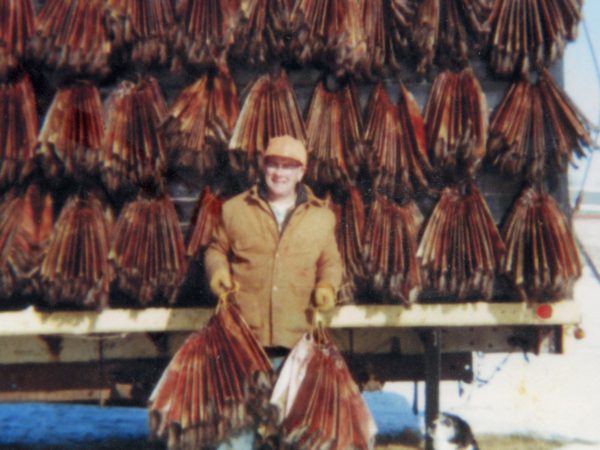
<point x="324" y="298"/>
<point x="221" y="281"/>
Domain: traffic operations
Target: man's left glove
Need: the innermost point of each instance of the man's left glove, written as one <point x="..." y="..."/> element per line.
<point x="324" y="298"/>
<point x="221" y="281"/>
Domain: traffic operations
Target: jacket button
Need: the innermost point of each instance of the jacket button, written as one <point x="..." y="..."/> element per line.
<point x="274" y="288"/>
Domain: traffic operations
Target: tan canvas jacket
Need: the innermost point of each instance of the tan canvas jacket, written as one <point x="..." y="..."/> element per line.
<point x="277" y="273"/>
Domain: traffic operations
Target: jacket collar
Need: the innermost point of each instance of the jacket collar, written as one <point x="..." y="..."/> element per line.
<point x="305" y="194"/>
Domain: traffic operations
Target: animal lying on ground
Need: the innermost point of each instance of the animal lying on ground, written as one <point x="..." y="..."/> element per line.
<point x="450" y="432"/>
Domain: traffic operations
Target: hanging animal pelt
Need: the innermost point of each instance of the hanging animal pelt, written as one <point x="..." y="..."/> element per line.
<point x="25" y="224"/>
<point x="390" y="249"/>
<point x="205" y="220"/>
<point x="265" y="31"/>
<point x="18" y="128"/>
<point x="217" y="384"/>
<point x="143" y="26"/>
<point x="395" y="141"/>
<point x="330" y="33"/>
<point x="70" y="140"/>
<point x="71" y="37"/>
<point x="568" y="131"/>
<point x="205" y="31"/>
<point x="517" y="140"/>
<point x="75" y="268"/>
<point x="350" y="225"/>
<point x="541" y="257"/>
<point x="17" y="25"/>
<point x="333" y="129"/>
<point x="456" y="123"/>
<point x="537" y="126"/>
<point x="147" y="252"/>
<point x="133" y="152"/>
<point x="199" y="123"/>
<point x="319" y="405"/>
<point x="460" y="248"/>
<point x="270" y="109"/>
<point x="531" y="34"/>
<point x="449" y="31"/>
<point x="387" y="25"/>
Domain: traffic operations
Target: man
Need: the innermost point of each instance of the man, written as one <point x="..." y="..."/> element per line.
<point x="276" y="242"/>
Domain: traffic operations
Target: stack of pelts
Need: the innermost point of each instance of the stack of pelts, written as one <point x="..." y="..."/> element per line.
<point x="147" y="252"/>
<point x="270" y="109"/>
<point x="69" y="143"/>
<point x="449" y="31"/>
<point x="204" y="31"/>
<point x="217" y="384"/>
<point x="141" y="29"/>
<point x="25" y="224"/>
<point x="541" y="258"/>
<point x="133" y="149"/>
<point x="536" y="126"/>
<point x="350" y="215"/>
<point x="71" y="37"/>
<point x="74" y="269"/>
<point x="395" y="140"/>
<point x="205" y="219"/>
<point x="399" y="168"/>
<point x="531" y="34"/>
<point x="265" y="31"/>
<point x="390" y="249"/>
<point x="387" y="25"/>
<point x="17" y="21"/>
<point x="460" y="248"/>
<point x="331" y="34"/>
<point x="333" y="129"/>
<point x="318" y="403"/>
<point x="198" y="125"/>
<point x="18" y="128"/>
<point x="456" y="123"/>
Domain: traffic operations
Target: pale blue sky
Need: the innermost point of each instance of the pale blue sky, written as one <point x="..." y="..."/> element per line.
<point x="583" y="85"/>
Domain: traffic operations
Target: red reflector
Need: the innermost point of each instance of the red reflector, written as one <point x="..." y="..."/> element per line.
<point x="544" y="311"/>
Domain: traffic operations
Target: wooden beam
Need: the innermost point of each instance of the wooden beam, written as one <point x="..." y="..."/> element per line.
<point x="65" y="395"/>
<point x="479" y="314"/>
<point x="32" y="322"/>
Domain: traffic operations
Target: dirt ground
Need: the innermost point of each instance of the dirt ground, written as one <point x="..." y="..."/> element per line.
<point x="485" y="443"/>
<point x="490" y="442"/>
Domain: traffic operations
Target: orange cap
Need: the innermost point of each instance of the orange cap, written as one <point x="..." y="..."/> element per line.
<point x="286" y="147"/>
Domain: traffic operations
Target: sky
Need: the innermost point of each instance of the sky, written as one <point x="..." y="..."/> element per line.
<point x="583" y="86"/>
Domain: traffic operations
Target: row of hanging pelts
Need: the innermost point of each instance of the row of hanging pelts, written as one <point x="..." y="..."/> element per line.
<point x="85" y="256"/>
<point x="202" y="127"/>
<point x="359" y="37"/>
<point x="458" y="253"/>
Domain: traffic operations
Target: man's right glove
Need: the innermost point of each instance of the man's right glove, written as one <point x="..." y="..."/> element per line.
<point x="324" y="298"/>
<point x="221" y="281"/>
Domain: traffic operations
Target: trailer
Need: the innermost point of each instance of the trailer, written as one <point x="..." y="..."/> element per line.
<point x="115" y="356"/>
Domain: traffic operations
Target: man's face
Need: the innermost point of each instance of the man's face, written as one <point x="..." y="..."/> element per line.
<point x="281" y="176"/>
